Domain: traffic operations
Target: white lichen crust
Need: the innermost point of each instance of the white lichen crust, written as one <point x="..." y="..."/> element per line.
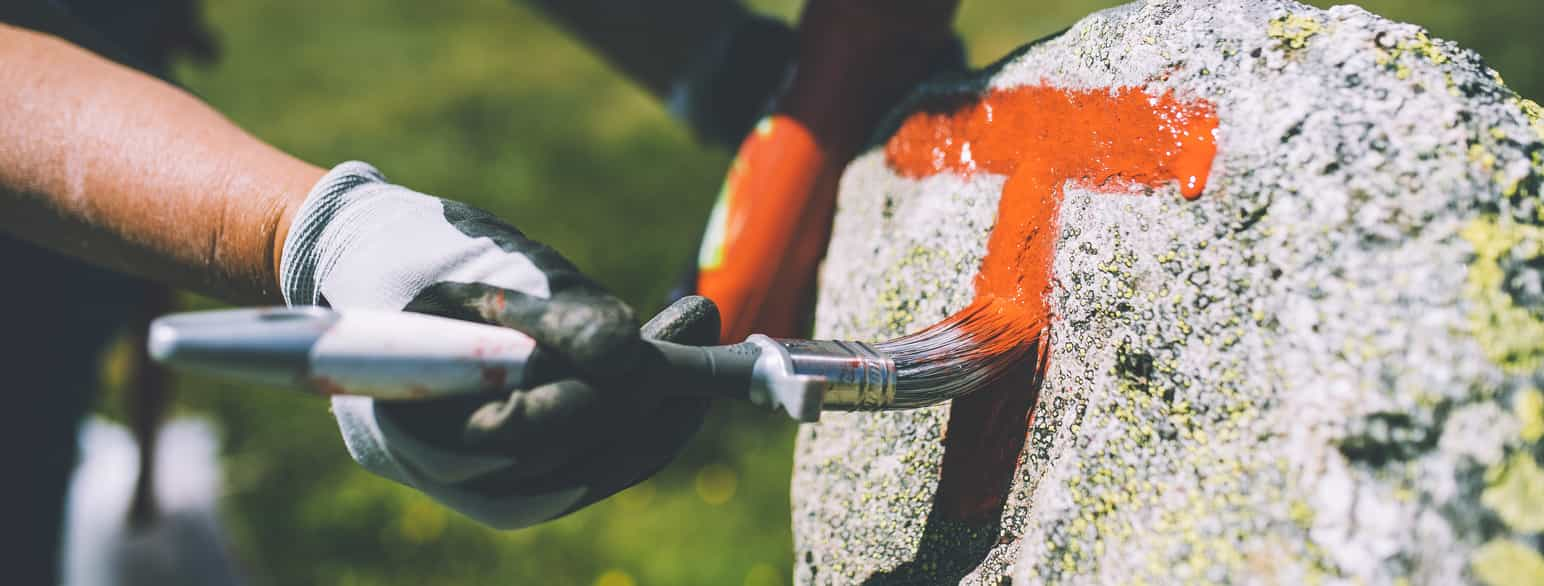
<point x="1325" y="369"/>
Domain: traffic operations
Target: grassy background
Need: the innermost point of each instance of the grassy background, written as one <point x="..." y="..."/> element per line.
<point x="481" y="100"/>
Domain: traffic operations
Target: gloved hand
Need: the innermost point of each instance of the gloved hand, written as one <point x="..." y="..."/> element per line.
<point x="360" y="242"/>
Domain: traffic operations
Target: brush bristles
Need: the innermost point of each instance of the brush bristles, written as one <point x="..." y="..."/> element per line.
<point x="963" y="354"/>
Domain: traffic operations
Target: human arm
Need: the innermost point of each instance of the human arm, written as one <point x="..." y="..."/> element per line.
<point x="128" y="172"/>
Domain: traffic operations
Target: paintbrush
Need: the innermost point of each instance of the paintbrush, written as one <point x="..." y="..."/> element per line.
<point x="409" y="356"/>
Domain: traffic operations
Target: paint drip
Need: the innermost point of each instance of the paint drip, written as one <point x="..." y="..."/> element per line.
<point x="1119" y="140"/>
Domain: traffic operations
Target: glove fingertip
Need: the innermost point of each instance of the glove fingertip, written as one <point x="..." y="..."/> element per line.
<point x="602" y="338"/>
<point x="483" y="425"/>
<point x="690" y="320"/>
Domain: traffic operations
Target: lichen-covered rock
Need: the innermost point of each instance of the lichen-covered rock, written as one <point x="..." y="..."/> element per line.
<point x="1324" y="368"/>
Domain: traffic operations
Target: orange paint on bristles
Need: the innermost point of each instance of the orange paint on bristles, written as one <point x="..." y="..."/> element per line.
<point x="1042" y="138"/>
<point x="962" y="354"/>
<point x="996" y="325"/>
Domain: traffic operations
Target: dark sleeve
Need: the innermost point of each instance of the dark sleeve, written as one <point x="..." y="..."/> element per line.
<point x="48" y="17"/>
<point x="715" y="64"/>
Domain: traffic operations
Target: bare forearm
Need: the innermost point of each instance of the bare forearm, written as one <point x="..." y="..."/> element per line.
<point x="115" y="167"/>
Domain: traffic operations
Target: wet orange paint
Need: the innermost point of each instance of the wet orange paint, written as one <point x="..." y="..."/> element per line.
<point x="1042" y="139"/>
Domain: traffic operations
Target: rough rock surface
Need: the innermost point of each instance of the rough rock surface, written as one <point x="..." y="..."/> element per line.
<point x="1323" y="369"/>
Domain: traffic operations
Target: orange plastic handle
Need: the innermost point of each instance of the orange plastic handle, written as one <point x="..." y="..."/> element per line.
<point x="772" y="221"/>
<point x="773" y="218"/>
<point x="767" y="233"/>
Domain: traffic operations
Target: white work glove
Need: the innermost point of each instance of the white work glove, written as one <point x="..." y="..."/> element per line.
<point x="506" y="460"/>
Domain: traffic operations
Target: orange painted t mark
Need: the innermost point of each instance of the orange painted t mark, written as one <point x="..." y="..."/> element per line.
<point x="1043" y="139"/>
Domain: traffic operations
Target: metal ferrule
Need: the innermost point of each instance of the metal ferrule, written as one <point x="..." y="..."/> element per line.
<point x="858" y="377"/>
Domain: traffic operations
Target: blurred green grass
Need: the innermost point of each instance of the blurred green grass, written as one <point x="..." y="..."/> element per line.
<point x="483" y="101"/>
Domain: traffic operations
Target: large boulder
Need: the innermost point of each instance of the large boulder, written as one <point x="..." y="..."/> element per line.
<point x="1324" y="367"/>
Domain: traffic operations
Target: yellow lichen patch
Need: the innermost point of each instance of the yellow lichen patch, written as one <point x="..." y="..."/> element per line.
<point x="1529" y="407"/>
<point x="1511" y="336"/>
<point x="1114" y="495"/>
<point x="1503" y="562"/>
<point x="1420" y="45"/>
<point x="1293" y="30"/>
<point x="1510" y="188"/>
<point x="1515" y="491"/>
<point x="1301" y="513"/>
<point x="896" y="308"/>
<point x="1535" y="114"/>
<point x="1479" y="156"/>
